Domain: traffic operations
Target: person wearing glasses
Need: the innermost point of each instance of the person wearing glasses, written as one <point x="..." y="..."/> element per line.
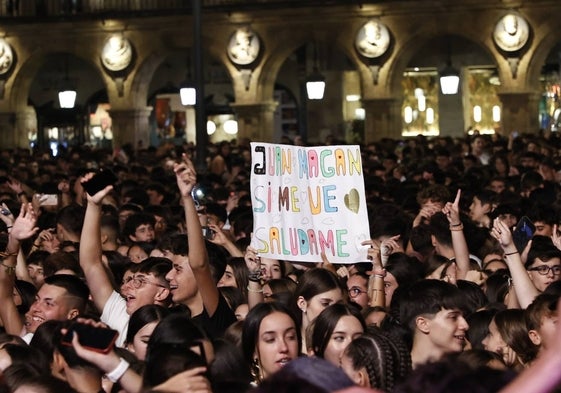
<point x="357" y="288"/>
<point x="543" y="263"/>
<point x="144" y="283"/>
<point x="541" y="268"/>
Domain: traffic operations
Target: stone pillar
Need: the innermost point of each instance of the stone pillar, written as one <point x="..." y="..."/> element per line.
<point x="25" y="122"/>
<point x="519" y="112"/>
<point x="383" y="119"/>
<point x="451" y="114"/>
<point x="8" y="130"/>
<point x="256" y="120"/>
<point x="131" y="126"/>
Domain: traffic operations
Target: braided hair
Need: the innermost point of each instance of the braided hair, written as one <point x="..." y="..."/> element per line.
<point x="385" y="358"/>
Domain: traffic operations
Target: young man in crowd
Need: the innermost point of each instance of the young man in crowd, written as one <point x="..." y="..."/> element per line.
<point x="61" y="297"/>
<point x="143" y="284"/>
<point x="192" y="283"/>
<point x="432" y="310"/>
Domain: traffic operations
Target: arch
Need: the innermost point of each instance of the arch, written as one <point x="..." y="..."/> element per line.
<point x="546" y="40"/>
<point x="143" y="75"/>
<point x="31" y="65"/>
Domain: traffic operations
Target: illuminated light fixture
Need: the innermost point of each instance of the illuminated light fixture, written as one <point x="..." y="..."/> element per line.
<point x="408" y="114"/>
<point x="449" y="80"/>
<point x="477" y="113"/>
<point x="352" y="98"/>
<point x="67" y="98"/>
<point x="230" y="127"/>
<point x="188" y="94"/>
<point x="210" y="127"/>
<point x="67" y="93"/>
<point x="315" y="83"/>
<point x="422" y="103"/>
<point x="187" y="91"/>
<point x="419" y="92"/>
<point x="496" y="113"/>
<point x="360" y="114"/>
<point x="430" y="116"/>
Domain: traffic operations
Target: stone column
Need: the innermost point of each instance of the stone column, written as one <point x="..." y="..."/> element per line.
<point x="256" y="120"/>
<point x="519" y="112"/>
<point x="25" y="122"/>
<point x="383" y="119"/>
<point x="131" y="126"/>
<point x="8" y="130"/>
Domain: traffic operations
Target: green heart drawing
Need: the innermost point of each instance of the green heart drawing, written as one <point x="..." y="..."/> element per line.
<point x="352" y="201"/>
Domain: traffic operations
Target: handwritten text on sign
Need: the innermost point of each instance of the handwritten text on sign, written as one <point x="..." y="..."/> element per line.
<point x="308" y="200"/>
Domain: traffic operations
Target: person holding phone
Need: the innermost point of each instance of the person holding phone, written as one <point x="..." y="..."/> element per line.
<point x="146" y="283"/>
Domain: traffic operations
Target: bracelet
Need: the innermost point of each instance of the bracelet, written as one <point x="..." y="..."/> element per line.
<point x="7" y="254"/>
<point x="254" y="276"/>
<point x="458" y="228"/>
<point x="8" y="269"/>
<point x="456" y="225"/>
<point x="511" y="253"/>
<point x="254" y="290"/>
<point x="36" y="245"/>
<point x="118" y="371"/>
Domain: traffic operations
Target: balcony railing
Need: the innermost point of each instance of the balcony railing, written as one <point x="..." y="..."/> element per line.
<point x="56" y="9"/>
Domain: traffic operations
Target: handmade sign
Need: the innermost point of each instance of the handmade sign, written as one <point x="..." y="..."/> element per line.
<point x="308" y="200"/>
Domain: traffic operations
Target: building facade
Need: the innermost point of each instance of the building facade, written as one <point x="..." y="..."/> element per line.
<point x="257" y="56"/>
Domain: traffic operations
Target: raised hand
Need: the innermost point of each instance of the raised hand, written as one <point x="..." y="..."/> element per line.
<point x="24" y="225"/>
<point x="186" y="175"/>
<point x="98" y="197"/>
<point x="501" y="232"/>
<point x="252" y="260"/>
<point x="452" y="210"/>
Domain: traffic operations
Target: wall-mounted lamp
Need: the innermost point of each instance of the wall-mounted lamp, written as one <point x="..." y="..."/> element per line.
<point x="67" y="93"/>
<point x="449" y="79"/>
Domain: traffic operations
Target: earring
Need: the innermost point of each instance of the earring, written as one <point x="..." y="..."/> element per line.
<point x="256" y="372"/>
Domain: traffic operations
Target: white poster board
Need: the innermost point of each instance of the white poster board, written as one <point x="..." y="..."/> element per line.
<point x="308" y="200"/>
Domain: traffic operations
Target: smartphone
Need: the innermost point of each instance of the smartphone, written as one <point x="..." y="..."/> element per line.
<point x="208" y="233"/>
<point x="522" y="233"/>
<point x="99" y="181"/>
<point x="48" y="199"/>
<point x="96" y="339"/>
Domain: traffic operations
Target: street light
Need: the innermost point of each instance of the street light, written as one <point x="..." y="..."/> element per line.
<point x="449" y="79"/>
<point x="315" y="85"/>
<point x="67" y="93"/>
<point x="315" y="82"/>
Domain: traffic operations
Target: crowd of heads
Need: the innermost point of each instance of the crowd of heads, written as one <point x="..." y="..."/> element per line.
<point x="129" y="260"/>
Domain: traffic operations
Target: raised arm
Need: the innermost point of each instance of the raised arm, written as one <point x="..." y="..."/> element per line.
<point x="459" y="244"/>
<point x="523" y="286"/>
<point x="198" y="258"/>
<point x="90" y="249"/>
<point x="23" y="228"/>
<point x="376" y="286"/>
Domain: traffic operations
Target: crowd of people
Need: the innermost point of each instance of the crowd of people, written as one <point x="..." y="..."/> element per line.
<point x="460" y="291"/>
